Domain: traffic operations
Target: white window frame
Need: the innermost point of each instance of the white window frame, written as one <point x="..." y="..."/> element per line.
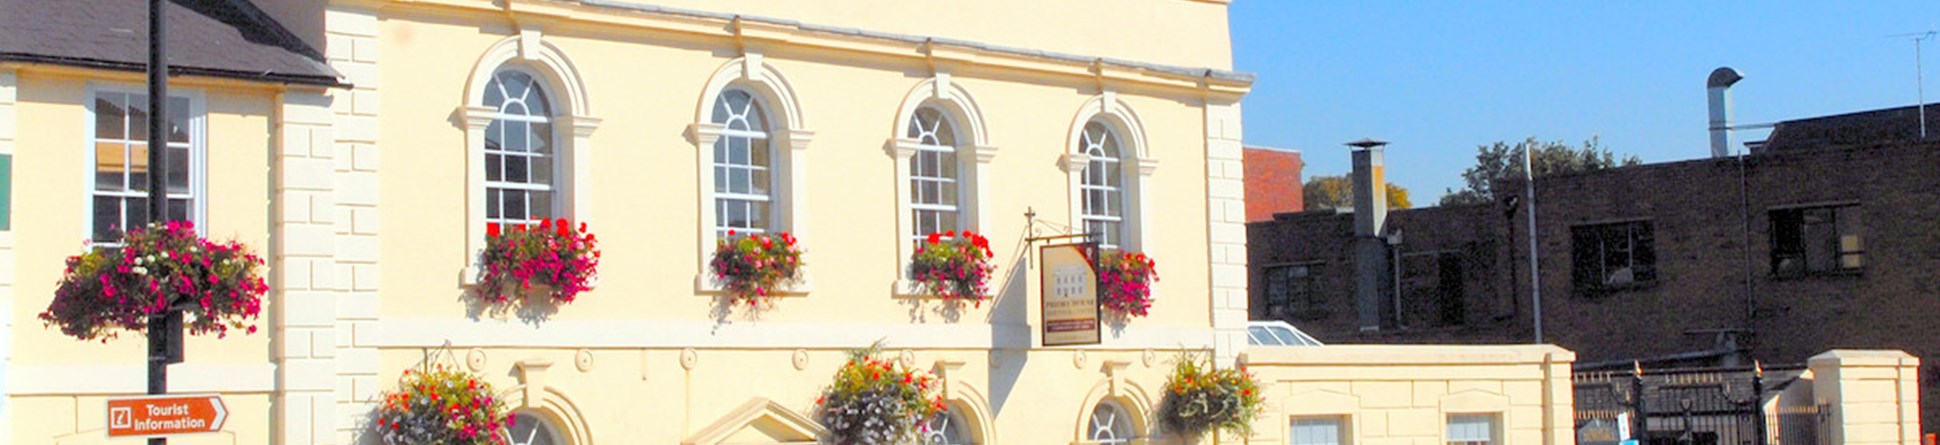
<point x="1093" y="424"/>
<point x="973" y="153"/>
<point x="770" y="221"/>
<point x="1095" y="145"/>
<point x="1135" y="162"/>
<point x="198" y="153"/>
<point x="953" y="422"/>
<point x="788" y="137"/>
<point x="1340" y="424"/>
<point x="572" y="133"/>
<point x="1494" y="433"/>
<point x="552" y="430"/>
<point x="557" y="186"/>
<point x="935" y="146"/>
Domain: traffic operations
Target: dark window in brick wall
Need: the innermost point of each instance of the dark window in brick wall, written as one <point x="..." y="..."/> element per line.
<point x="1290" y="293"/>
<point x="1816" y="240"/>
<point x="1612" y="256"/>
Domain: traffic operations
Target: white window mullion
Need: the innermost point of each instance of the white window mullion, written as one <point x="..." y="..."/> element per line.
<point x="520" y="99"/>
<point x="122" y="136"/>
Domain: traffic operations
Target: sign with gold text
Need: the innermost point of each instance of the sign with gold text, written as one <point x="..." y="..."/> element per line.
<point x="1070" y="292"/>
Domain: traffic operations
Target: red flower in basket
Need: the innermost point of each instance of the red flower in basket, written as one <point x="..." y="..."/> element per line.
<point x="552" y="256"/>
<point x="953" y="267"/>
<point x="754" y="267"/>
<point x="1125" y="282"/>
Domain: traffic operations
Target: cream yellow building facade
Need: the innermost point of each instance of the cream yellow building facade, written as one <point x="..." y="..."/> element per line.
<point x="643" y="97"/>
<point x="369" y="199"/>
<point x="873" y="121"/>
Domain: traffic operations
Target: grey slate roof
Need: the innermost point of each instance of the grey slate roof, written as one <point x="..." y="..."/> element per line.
<point x="1854" y="129"/>
<point x="219" y="38"/>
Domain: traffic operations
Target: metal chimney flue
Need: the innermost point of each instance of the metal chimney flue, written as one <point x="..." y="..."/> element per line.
<point x="1718" y="88"/>
<point x="1370" y="229"/>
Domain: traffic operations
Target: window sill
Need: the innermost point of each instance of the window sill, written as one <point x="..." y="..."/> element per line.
<point x="907" y="290"/>
<point x="1825" y="275"/>
<point x="706" y="286"/>
<point x="1603" y="291"/>
<point x="468" y="278"/>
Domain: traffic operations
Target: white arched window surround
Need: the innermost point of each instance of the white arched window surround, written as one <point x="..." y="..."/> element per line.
<point x="973" y="154"/>
<point x="788" y="140"/>
<point x="533" y="428"/>
<point x="534" y="397"/>
<point x="1111" y="423"/>
<point x="1135" y="162"/>
<point x="1130" y="400"/>
<point x="571" y="136"/>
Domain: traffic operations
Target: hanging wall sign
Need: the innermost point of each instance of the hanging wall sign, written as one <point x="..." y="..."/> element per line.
<point x="1070" y="295"/>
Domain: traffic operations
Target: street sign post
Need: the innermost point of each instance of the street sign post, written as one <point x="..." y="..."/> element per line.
<point x="152" y="416"/>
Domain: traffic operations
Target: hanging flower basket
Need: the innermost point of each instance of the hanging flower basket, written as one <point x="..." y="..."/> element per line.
<point x="155" y="269"/>
<point x="442" y="406"/>
<point x="1125" y="280"/>
<point x="552" y="256"/>
<point x="875" y="401"/>
<point x="1200" y="398"/>
<point x="953" y="267"/>
<point x="754" y="267"/>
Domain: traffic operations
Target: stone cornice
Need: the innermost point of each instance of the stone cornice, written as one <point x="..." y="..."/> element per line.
<point x="761" y="32"/>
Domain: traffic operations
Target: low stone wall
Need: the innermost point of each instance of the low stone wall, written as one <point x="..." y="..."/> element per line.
<point x="1409" y="395"/>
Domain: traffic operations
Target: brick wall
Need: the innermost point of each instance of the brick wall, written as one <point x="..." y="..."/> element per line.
<point x="1323" y="241"/>
<point x="1273" y="180"/>
<point x="1702" y="214"/>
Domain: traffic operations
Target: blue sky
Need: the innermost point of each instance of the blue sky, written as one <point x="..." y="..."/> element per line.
<point x="1436" y="79"/>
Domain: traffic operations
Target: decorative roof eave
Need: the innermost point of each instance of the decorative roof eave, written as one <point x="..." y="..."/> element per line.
<point x="751" y="31"/>
<point x="174" y="70"/>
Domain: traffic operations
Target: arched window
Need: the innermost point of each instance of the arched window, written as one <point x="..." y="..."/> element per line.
<point x="743" y="166"/>
<point x="529" y="428"/>
<point x="933" y="174"/>
<point x="1102" y="187"/>
<point x="528" y="141"/>
<point x="521" y="165"/>
<point x="1110" y="424"/>
<point x="947" y="428"/>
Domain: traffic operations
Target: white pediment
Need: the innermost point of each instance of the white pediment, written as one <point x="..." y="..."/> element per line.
<point x="759" y="421"/>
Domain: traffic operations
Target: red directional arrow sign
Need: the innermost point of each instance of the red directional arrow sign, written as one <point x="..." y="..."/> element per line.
<point x="165" y="415"/>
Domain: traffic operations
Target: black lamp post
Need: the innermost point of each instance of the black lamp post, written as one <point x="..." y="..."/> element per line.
<point x="1509" y="203"/>
<point x="164" y="330"/>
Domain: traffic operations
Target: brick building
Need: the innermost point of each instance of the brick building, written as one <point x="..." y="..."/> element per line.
<point x="1273" y="181"/>
<point x="1824" y="237"/>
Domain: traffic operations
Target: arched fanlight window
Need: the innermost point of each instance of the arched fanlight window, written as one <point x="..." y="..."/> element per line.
<point x="743" y="166"/>
<point x="947" y="428"/>
<point x="1111" y="424"/>
<point x="1103" y="185"/>
<point x="530" y="428"/>
<point x="933" y="174"/>
<point x="521" y="166"/>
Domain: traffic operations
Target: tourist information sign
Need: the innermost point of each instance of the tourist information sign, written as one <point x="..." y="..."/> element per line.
<point x="165" y="415"/>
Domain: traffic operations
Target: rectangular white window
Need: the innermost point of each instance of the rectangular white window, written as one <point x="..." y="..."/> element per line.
<point x="1471" y="429"/>
<point x="1316" y="431"/>
<point x="118" y="198"/>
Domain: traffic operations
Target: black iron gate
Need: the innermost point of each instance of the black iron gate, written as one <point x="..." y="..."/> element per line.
<point x="1689" y="406"/>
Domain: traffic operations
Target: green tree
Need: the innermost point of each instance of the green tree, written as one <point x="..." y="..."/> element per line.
<point x="1332" y="192"/>
<point x="1500" y="161"/>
